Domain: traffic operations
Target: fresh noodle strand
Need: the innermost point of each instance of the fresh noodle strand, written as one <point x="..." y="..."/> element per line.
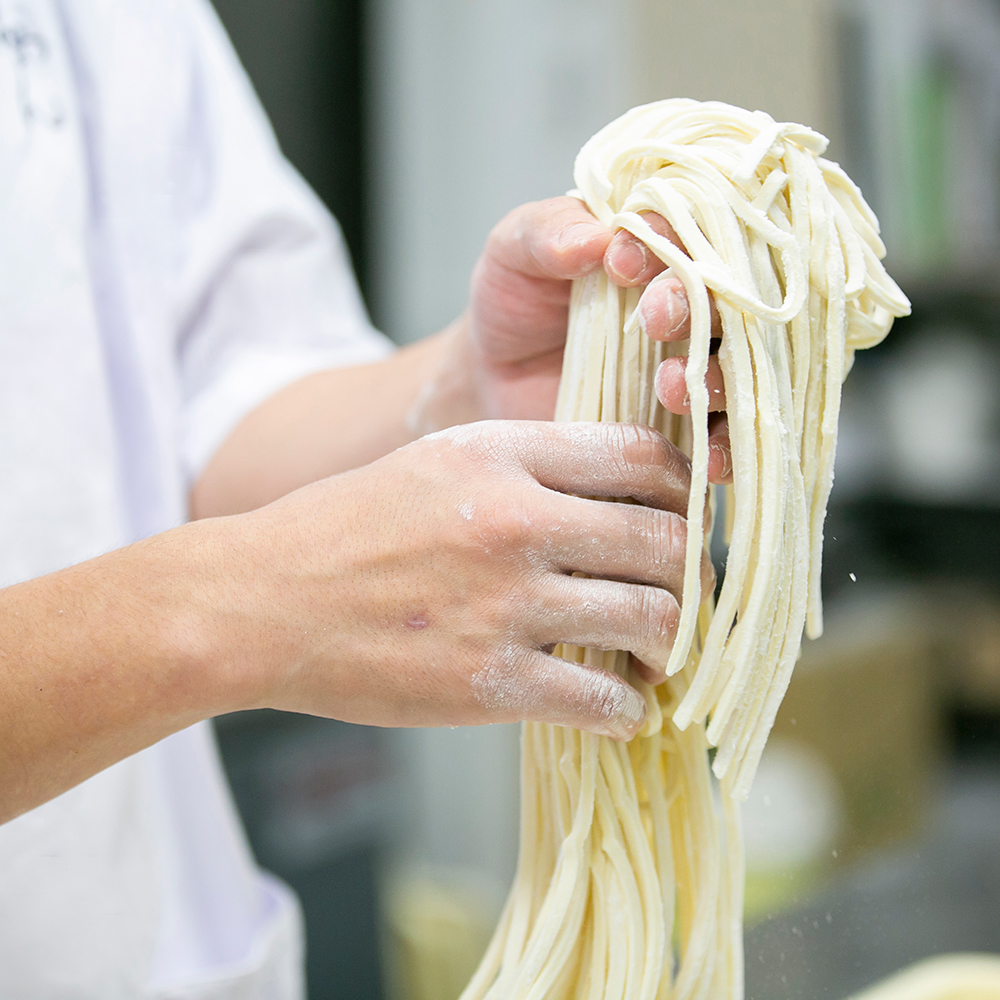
<point x="630" y="876"/>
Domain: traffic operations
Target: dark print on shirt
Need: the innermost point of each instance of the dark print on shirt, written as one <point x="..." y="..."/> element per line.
<point x="27" y="75"/>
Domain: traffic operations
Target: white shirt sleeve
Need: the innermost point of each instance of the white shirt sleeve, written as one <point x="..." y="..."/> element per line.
<point x="267" y="294"/>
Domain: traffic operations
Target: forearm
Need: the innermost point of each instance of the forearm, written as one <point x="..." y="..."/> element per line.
<point x="337" y="420"/>
<point x="105" y="658"/>
<point x="502" y="358"/>
<point x="422" y="589"/>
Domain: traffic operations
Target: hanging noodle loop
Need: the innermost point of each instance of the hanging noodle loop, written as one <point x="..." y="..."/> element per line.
<point x="630" y="878"/>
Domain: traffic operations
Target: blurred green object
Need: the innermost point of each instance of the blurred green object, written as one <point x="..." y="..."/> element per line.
<point x="792" y="823"/>
<point x="925" y="143"/>
<point x="864" y="698"/>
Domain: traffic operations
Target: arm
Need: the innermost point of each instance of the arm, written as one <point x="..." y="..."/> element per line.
<point x="423" y="589"/>
<point x="326" y="423"/>
<point x="501" y="358"/>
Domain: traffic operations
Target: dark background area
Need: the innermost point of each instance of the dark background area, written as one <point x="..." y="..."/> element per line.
<point x="305" y="60"/>
<point x="891" y="537"/>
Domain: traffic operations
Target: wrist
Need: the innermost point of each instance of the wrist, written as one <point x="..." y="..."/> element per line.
<point x="212" y="632"/>
<point x="448" y="392"/>
<point x="105" y="658"/>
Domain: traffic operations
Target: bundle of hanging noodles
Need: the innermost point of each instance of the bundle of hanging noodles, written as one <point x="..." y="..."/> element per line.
<point x="630" y="878"/>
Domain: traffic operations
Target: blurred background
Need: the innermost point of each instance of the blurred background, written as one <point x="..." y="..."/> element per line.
<point x="874" y="828"/>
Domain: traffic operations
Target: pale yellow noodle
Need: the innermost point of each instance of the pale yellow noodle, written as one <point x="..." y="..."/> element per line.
<point x="630" y="879"/>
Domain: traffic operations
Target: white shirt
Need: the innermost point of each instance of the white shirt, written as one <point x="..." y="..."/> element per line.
<point x="162" y="271"/>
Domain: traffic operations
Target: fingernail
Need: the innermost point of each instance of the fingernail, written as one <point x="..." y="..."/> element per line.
<point x="630" y="715"/>
<point x="675" y="311"/>
<point x="707" y="577"/>
<point x="727" y="459"/>
<point x="628" y="260"/>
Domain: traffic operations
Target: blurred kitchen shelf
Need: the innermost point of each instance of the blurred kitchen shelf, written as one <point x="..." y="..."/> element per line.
<point x="968" y="297"/>
<point x="883" y="538"/>
<point x="938" y="893"/>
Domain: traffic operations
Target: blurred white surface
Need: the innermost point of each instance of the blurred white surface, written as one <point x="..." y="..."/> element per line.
<point x="941" y="403"/>
<point x="795" y="812"/>
<point x="474" y="109"/>
<point x="923" y="425"/>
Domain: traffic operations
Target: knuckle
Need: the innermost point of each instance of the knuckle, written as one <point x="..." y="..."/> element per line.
<point x="667" y="541"/>
<point x="642" y="446"/>
<point x="547" y="256"/>
<point x="659" y="472"/>
<point x="621" y="448"/>
<point x="560" y="230"/>
<point x="534" y="442"/>
<point x="604" y="700"/>
<point x="505" y="524"/>
<point x="466" y="441"/>
<point x="499" y="683"/>
<point x="487" y="448"/>
<point x="510" y="229"/>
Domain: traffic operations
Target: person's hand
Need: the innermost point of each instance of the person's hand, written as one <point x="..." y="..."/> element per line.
<point x="429" y="587"/>
<point x="512" y="337"/>
<point x="664" y="314"/>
